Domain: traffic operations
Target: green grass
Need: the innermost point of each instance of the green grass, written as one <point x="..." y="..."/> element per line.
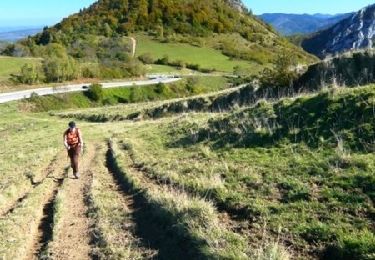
<point x="109" y="206"/>
<point x="186" y="87"/>
<point x="206" y="57"/>
<point x="27" y="141"/>
<point x="155" y="68"/>
<point x="311" y="196"/>
<point x="12" y="65"/>
<point x="296" y="173"/>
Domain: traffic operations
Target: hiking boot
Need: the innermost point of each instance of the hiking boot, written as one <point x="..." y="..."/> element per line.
<point x="76" y="175"/>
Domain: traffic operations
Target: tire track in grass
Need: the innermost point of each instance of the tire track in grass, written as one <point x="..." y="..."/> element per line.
<point x="111" y="210"/>
<point x="45" y="228"/>
<point x="48" y="171"/>
<point x="230" y="218"/>
<point x="22" y="228"/>
<point x="176" y="224"/>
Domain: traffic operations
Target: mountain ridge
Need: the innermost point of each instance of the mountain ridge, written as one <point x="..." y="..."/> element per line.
<point x="355" y="32"/>
<point x="18" y="33"/>
<point x="290" y="24"/>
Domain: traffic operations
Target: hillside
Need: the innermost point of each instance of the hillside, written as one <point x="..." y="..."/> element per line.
<point x="284" y="178"/>
<point x="167" y="21"/>
<point x="290" y="24"/>
<point x="353" y="33"/>
<point x="347" y="70"/>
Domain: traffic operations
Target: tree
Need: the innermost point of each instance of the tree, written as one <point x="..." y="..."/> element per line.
<point x="282" y="74"/>
<point x="45" y="37"/>
<point x="60" y="69"/>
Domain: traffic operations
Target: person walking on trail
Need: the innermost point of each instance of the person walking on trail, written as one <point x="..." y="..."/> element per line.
<point x="73" y="143"/>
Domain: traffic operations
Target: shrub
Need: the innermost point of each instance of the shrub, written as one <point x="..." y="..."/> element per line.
<point x="29" y="74"/>
<point x="282" y="74"/>
<point x="95" y="92"/>
<point x="160" y="88"/>
<point x="60" y="69"/>
<point x="178" y="63"/>
<point x="163" y="61"/>
<point x="146" y="58"/>
<point x="110" y="101"/>
<point x="133" y="68"/>
<point x="192" y="86"/>
<point x="89" y="73"/>
<point x="193" y="66"/>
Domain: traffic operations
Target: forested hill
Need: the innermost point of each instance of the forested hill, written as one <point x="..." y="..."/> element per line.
<point x="163" y="18"/>
<point x="108" y="17"/>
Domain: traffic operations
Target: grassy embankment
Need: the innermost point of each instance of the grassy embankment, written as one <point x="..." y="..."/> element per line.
<point x="299" y="170"/>
<point x="186" y="87"/>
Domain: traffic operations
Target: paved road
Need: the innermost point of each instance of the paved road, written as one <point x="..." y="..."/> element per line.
<point x="17" y="95"/>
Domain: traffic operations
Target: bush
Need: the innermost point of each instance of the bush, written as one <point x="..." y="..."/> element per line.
<point x="146" y="58"/>
<point x="282" y="74"/>
<point x="163" y="61"/>
<point x="110" y="101"/>
<point x="95" y="92"/>
<point x="60" y="69"/>
<point x="89" y="73"/>
<point x="161" y="89"/>
<point x="110" y="72"/>
<point x="192" y="86"/>
<point x="193" y="66"/>
<point x="133" y="68"/>
<point x="29" y="74"/>
<point x="178" y="63"/>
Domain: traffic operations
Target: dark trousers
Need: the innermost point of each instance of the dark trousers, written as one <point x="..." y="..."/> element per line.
<point x="73" y="154"/>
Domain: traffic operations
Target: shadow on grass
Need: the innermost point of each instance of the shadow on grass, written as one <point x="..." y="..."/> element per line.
<point x="324" y="118"/>
<point x="158" y="228"/>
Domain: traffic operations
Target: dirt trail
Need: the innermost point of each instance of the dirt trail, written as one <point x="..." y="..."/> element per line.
<point x="72" y="238"/>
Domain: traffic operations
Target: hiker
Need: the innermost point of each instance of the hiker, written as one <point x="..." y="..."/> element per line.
<point x="73" y="143"/>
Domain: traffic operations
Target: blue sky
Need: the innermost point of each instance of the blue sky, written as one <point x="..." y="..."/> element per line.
<point x="48" y="12"/>
<point x="37" y="12"/>
<point x="306" y="6"/>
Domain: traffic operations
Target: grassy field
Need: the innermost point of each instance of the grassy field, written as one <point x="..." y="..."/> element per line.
<point x="11" y="65"/>
<point x="206" y="57"/>
<point x="288" y="179"/>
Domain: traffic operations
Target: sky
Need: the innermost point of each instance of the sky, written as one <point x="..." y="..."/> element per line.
<point x="306" y="6"/>
<point x="15" y="13"/>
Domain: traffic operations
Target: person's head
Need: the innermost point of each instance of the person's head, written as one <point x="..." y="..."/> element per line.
<point x="72" y="125"/>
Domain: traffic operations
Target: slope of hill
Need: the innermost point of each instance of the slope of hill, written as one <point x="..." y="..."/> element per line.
<point x="350" y="69"/>
<point x="189" y="20"/>
<point x="354" y="32"/>
<point x="290" y="24"/>
<point x="291" y="178"/>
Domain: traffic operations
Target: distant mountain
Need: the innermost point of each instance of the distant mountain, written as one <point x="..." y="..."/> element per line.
<point x="12" y="34"/>
<point x="289" y="24"/>
<point x="355" y="32"/>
